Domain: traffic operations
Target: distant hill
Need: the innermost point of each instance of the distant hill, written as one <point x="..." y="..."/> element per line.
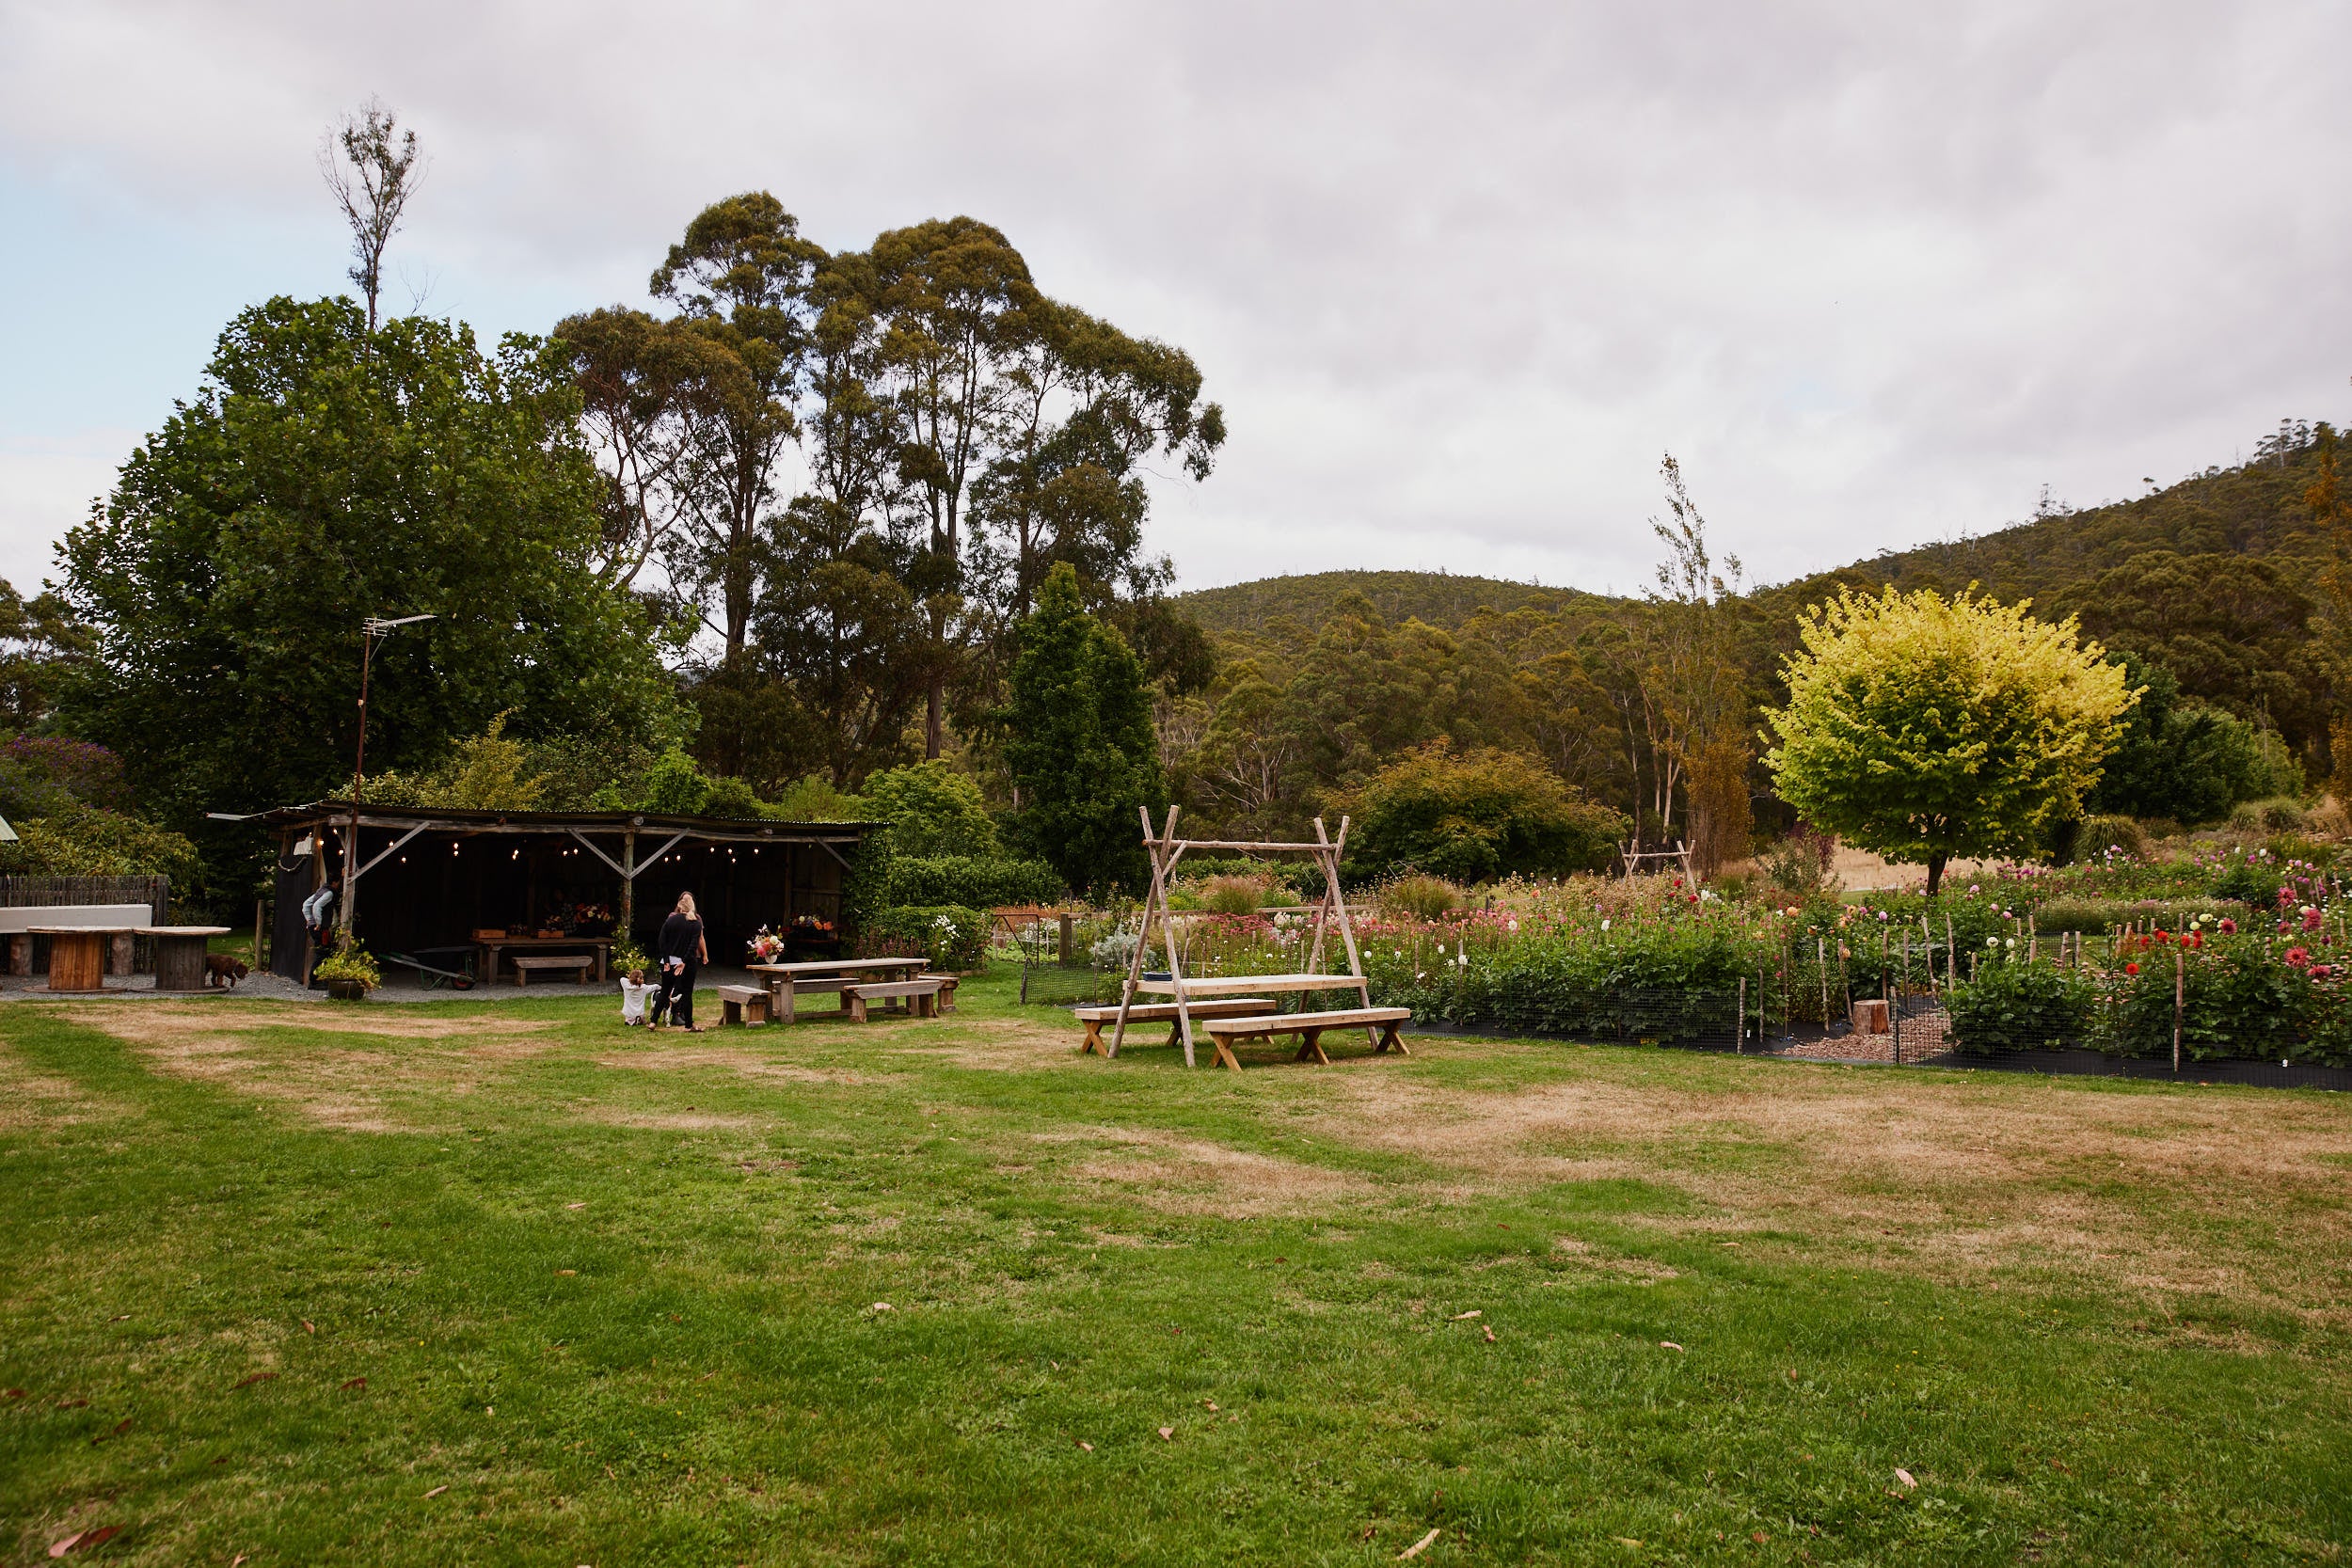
<point x="1439" y="598"/>
<point x="2253" y="508"/>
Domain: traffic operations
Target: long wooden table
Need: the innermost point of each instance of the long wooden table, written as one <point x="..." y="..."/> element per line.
<point x="816" y="974"/>
<point x="491" y="948"/>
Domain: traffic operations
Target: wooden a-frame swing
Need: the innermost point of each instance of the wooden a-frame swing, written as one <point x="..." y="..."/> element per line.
<point x="1166" y="849"/>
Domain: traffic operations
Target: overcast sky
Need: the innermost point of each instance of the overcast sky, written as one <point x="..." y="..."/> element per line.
<point x="1459" y="274"/>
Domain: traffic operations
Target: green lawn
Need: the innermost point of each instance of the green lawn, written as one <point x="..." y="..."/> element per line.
<point x="614" y="1298"/>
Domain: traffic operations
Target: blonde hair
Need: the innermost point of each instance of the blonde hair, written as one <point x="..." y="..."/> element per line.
<point x="686" y="905"/>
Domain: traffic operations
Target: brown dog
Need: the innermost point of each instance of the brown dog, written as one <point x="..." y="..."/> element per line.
<point x="222" y="970"/>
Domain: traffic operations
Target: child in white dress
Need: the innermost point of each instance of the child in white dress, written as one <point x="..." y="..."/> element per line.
<point x="634" y="995"/>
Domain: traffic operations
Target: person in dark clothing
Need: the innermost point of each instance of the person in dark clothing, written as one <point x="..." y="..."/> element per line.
<point x="681" y="953"/>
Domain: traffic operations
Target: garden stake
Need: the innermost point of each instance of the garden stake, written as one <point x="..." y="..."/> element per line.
<point x="2180" y="998"/>
<point x="1820" y="956"/>
<point x="1951" y="977"/>
<point x="1740" y="1019"/>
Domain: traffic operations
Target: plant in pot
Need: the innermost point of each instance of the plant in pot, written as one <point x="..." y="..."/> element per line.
<point x="631" y="959"/>
<point x="350" y="972"/>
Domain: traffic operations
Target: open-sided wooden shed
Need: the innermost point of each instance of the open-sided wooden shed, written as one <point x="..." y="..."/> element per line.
<point x="428" y="877"/>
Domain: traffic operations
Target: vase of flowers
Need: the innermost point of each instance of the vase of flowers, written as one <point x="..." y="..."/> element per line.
<point x="766" y="946"/>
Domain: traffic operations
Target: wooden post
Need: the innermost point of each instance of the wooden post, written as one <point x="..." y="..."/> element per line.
<point x="1143" y="930"/>
<point x="628" y="887"/>
<point x="259" y="963"/>
<point x="2180" y="1002"/>
<point x="1951" y="953"/>
<point x="1330" y="858"/>
<point x="1068" y="935"/>
<point x="1167" y="935"/>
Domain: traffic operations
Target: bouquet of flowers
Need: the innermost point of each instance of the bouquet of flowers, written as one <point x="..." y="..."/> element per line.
<point x="811" y="925"/>
<point x="766" y="946"/>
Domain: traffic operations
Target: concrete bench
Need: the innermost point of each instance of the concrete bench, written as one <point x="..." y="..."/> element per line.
<point x="745" y="1005"/>
<point x="1159" y="1012"/>
<point x="581" y="963"/>
<point x="1226" y="1032"/>
<point x="922" y="996"/>
<point x="18" y="920"/>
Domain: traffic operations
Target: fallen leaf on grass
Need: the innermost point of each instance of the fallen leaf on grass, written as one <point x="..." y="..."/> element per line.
<point x="575" y="1206"/>
<point x="355" y="1382"/>
<point x="309" y="1327"/>
<point x="248" y="1381"/>
<point x="1464" y="1317"/>
<point x="12" y="1393"/>
<point x="1209" y="1403"/>
<point x="437" y="1491"/>
<point x="1168" y="1435"/>
<point x="1759" y="1538"/>
<point x="1369" y="1530"/>
<point x="1419" y="1546"/>
<point x="72" y="1405"/>
<point x="1627" y="1540"/>
<point x="1904" y="1476"/>
<point x="1087" y="1446"/>
<point x="882" y="1306"/>
<point x="239" y="1560"/>
<point x="567" y="1271"/>
<point x="1487" y="1332"/>
<point x="1669" y="1344"/>
<point x="120" y="1427"/>
<point x="74" y="1543"/>
<point x="119" y="1318"/>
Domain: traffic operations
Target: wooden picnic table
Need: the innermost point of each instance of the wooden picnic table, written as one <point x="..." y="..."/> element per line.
<point x="77" y="953"/>
<point x="819" y="974"/>
<point x="492" y="947"/>
<point x="1241" y="985"/>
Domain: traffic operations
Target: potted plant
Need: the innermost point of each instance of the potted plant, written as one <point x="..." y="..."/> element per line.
<point x="631" y="959"/>
<point x="350" y="972"/>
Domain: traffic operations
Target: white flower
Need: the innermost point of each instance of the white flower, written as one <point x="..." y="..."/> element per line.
<point x="2010" y="941"/>
<point x="1992" y="941"/>
<point x="1604" y="924"/>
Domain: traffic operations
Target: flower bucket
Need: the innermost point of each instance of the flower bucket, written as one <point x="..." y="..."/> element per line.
<point x="346" y="990"/>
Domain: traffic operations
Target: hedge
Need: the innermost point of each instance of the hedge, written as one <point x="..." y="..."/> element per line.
<point x="950" y="936"/>
<point x="971" y="881"/>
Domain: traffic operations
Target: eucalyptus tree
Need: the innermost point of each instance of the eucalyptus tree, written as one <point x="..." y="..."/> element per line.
<point x="370" y="166"/>
<point x="741" y="280"/>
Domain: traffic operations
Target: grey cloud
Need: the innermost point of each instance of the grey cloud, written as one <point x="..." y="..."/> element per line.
<point x="1459" y="273"/>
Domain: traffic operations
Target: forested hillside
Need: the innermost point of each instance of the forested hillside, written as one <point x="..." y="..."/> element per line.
<point x="2213" y="588"/>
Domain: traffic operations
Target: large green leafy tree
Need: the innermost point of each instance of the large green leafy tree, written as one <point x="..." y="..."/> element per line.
<point x="1922" y="727"/>
<point x="1081" y="752"/>
<point x="323" y="474"/>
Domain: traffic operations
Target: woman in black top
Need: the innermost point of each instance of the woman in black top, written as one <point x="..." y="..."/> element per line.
<point x="681" y="953"/>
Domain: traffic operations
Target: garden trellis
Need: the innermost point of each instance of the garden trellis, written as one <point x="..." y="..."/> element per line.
<point x="1166" y="849"/>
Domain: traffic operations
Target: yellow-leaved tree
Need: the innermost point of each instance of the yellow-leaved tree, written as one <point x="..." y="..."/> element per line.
<point x="1923" y="728"/>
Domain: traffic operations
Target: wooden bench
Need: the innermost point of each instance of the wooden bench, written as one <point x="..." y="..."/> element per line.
<point x="921" y="995"/>
<point x="581" y="962"/>
<point x="947" y="984"/>
<point x="1157" y="1012"/>
<point x="1224" y="1032"/>
<point x="745" y="1005"/>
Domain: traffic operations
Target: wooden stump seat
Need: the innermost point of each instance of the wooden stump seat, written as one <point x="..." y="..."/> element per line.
<point x="743" y="1005"/>
<point x="1226" y="1032"/>
<point x="922" y="996"/>
<point x="1157" y="1012"/>
<point x="580" y="964"/>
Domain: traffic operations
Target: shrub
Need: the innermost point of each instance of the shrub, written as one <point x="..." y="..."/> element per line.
<point x="731" y="797"/>
<point x="815" y="800"/>
<point x="42" y="774"/>
<point x="933" y="811"/>
<point x="629" y="958"/>
<point x="2098" y="916"/>
<point x="2250" y="883"/>
<point x="86" y="841"/>
<point x="1799" y="862"/>
<point x="2020" y="1007"/>
<point x="2102" y="833"/>
<point x="950" y="936"/>
<point x="1420" y="898"/>
<point x="675" y="786"/>
<point x="1478" y="816"/>
<point x="972" y="882"/>
<point x="1231" y="894"/>
<point x="2279" y="814"/>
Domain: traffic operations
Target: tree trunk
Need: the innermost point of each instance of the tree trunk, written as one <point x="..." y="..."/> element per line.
<point x="1935" y="872"/>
